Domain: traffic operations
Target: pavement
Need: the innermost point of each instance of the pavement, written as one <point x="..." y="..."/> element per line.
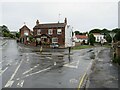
<point x="104" y="73"/>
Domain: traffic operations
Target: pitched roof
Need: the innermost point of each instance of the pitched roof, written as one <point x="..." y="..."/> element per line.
<point x="81" y="37"/>
<point x="24" y="27"/>
<point x="50" y="25"/>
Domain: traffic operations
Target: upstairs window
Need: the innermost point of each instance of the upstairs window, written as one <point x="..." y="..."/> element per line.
<point x="50" y="31"/>
<point x="26" y="33"/>
<point x="39" y="32"/>
<point x="59" y="31"/>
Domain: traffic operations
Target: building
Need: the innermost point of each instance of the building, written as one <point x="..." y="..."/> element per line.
<point x="49" y="33"/>
<point x="25" y="32"/>
<point x="80" y="38"/>
<point x="99" y="37"/>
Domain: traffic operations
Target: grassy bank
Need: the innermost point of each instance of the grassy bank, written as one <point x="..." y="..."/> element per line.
<point x="82" y="47"/>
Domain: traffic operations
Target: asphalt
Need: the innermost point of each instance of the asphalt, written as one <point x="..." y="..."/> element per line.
<point x="104" y="73"/>
<point x="25" y="67"/>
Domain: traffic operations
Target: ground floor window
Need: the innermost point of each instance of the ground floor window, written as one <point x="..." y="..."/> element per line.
<point x="55" y="40"/>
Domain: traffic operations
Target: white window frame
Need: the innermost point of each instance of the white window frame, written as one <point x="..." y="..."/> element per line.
<point x="54" y="41"/>
<point x="39" y="32"/>
<point x="59" y="31"/>
<point x="50" y="31"/>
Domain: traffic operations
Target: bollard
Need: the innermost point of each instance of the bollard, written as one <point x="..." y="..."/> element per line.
<point x="41" y="49"/>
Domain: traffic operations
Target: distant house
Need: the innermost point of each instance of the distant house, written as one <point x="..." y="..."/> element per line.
<point x="49" y="33"/>
<point x="25" y="32"/>
<point x="13" y="32"/>
<point x="80" y="38"/>
<point x="99" y="37"/>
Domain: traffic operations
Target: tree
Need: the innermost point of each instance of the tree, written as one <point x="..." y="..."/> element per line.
<point x="117" y="36"/>
<point x="5" y="31"/>
<point x="91" y="39"/>
<point x="17" y="34"/>
<point x="95" y="31"/>
<point x="77" y="32"/>
<point x="108" y="38"/>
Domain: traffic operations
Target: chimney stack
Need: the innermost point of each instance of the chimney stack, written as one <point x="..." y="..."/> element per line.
<point x="65" y="20"/>
<point x="37" y="22"/>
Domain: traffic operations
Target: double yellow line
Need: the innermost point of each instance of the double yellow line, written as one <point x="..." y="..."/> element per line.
<point x="82" y="80"/>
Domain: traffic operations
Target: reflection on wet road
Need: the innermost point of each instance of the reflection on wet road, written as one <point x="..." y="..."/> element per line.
<point x="47" y="70"/>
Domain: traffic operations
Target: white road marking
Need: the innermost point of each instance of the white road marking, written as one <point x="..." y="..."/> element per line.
<point x="18" y="79"/>
<point x="38" y="72"/>
<point x="54" y="63"/>
<point x="20" y="84"/>
<point x="31" y="69"/>
<point x="49" y="57"/>
<point x="3" y="70"/>
<point x="70" y="65"/>
<point x="10" y="82"/>
<point x="27" y="59"/>
<point x="73" y="81"/>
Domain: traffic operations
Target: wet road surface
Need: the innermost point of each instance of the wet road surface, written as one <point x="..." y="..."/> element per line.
<point x="22" y="68"/>
<point x="105" y="73"/>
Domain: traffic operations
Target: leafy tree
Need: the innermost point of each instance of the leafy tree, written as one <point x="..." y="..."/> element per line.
<point x="18" y="34"/>
<point x="5" y="31"/>
<point x="108" y="37"/>
<point x="91" y="39"/>
<point x="117" y="36"/>
<point x="105" y="31"/>
<point x="77" y="32"/>
<point x="95" y="31"/>
<point x="116" y="30"/>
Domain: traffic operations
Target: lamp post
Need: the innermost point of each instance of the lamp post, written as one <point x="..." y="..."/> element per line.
<point x="112" y="34"/>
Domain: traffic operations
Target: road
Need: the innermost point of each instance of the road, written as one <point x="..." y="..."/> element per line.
<point x="22" y="68"/>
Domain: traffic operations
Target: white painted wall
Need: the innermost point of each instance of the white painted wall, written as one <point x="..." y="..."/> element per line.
<point x="98" y="37"/>
<point x="68" y="36"/>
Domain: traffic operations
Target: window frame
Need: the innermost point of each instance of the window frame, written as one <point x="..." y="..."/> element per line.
<point x="39" y="32"/>
<point x="59" y="32"/>
<point x="50" y="31"/>
<point x="56" y="41"/>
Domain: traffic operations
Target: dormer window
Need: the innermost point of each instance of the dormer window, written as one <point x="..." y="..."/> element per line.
<point x="39" y="32"/>
<point x="59" y="31"/>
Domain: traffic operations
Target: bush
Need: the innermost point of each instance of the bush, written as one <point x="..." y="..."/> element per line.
<point x="116" y="60"/>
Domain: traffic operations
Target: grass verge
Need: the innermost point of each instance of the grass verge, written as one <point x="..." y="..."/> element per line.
<point x="82" y="47"/>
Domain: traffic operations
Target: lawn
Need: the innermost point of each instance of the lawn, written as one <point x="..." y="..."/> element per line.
<point x="82" y="47"/>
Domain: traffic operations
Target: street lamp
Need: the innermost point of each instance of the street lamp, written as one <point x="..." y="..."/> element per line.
<point x="112" y="34"/>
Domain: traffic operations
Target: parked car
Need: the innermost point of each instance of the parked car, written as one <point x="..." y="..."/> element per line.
<point x="54" y="45"/>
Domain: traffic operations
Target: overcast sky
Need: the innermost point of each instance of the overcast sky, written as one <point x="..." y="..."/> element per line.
<point x="82" y="16"/>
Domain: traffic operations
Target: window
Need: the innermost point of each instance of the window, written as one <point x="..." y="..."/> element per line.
<point x="50" y="31"/>
<point x="55" y="40"/>
<point x="26" y="33"/>
<point x="38" y="32"/>
<point x="59" y="31"/>
<point x="27" y="38"/>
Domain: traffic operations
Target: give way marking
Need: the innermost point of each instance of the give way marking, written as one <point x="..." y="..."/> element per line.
<point x="74" y="64"/>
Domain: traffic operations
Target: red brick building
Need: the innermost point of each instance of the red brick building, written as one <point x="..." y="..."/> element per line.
<point x="25" y="32"/>
<point x="47" y="34"/>
<point x="50" y="33"/>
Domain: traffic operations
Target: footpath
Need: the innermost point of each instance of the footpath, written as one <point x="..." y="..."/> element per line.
<point x="104" y="75"/>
